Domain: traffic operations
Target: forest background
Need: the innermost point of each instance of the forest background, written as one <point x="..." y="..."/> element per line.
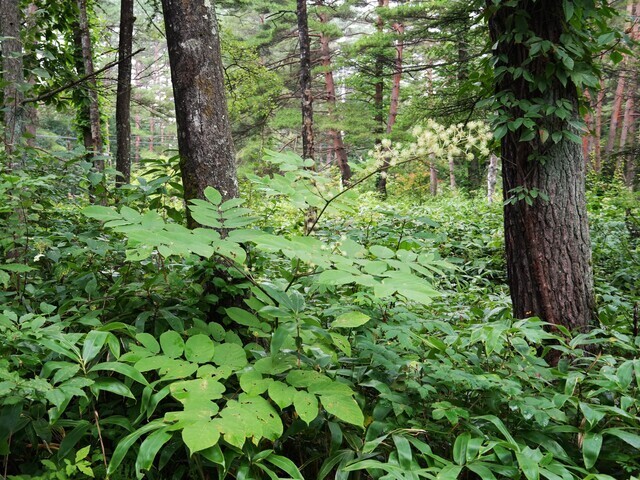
<point x="351" y="309"/>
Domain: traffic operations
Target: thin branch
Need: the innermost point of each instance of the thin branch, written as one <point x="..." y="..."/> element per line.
<point x="53" y="93"/>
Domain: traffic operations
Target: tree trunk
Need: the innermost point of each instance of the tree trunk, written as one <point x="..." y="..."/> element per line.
<point x="597" y="140"/>
<point x="492" y="177"/>
<point x="207" y="156"/>
<point x="305" y="81"/>
<point x="93" y="141"/>
<point x="627" y="133"/>
<point x="452" y="174"/>
<point x="330" y="87"/>
<point x="587" y="137"/>
<point x="433" y="176"/>
<point x="123" y="100"/>
<point x="547" y="242"/>
<point x="13" y="76"/>
<point x="378" y="104"/>
<point x="394" y="99"/>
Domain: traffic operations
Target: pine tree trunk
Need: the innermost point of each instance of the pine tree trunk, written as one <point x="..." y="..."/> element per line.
<point x="13" y="76"/>
<point x="207" y="155"/>
<point x="394" y="99"/>
<point x="330" y="88"/>
<point x="378" y="105"/>
<point x="308" y="149"/>
<point x="547" y="243"/>
<point x="123" y="100"/>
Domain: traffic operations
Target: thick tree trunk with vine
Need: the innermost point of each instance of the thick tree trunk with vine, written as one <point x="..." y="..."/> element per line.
<point x="13" y="76"/>
<point x="330" y="89"/>
<point x="207" y="154"/>
<point x="547" y="242"/>
<point x="123" y="100"/>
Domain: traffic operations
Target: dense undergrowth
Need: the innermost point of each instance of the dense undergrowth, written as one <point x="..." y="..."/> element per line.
<point x="381" y="346"/>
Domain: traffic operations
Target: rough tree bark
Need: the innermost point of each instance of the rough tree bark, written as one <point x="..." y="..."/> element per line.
<point x="547" y="243"/>
<point x="378" y="103"/>
<point x="207" y="154"/>
<point x="330" y="89"/>
<point x="308" y="149"/>
<point x="13" y="76"/>
<point x="123" y="100"/>
<point x="93" y="134"/>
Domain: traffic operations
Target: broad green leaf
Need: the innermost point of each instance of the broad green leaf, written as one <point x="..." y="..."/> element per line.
<point x="149" y="342"/>
<point x="230" y="355"/>
<point x="103" y="214"/>
<point x="306" y="405"/>
<point x="200" y="436"/>
<point x="281" y="393"/>
<point x="381" y="251"/>
<point x="172" y="344"/>
<point x="343" y="407"/>
<point x="213" y="195"/>
<point x="350" y="320"/>
<point x="199" y="349"/>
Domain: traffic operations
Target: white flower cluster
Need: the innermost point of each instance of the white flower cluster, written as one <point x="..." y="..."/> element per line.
<point x="436" y="140"/>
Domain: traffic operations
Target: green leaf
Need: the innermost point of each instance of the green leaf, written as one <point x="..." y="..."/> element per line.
<point x="243" y="317"/>
<point x="460" y="448"/>
<point x="93" y="343"/>
<point x="149" y="449"/>
<point x="343" y="407"/>
<point x="450" y="472"/>
<point x="350" y="320"/>
<point x="231" y="355"/>
<point x="172" y="344"/>
<point x="306" y="405"/>
<point x="341" y="342"/>
<point x="126" y="370"/>
<point x="125" y="444"/>
<point x="213" y="195"/>
<point x="200" y="436"/>
<point x="381" y="251"/>
<point x="624" y="435"/>
<point x="199" y="349"/>
<point x="281" y="393"/>
<point x="403" y="447"/>
<point x="286" y="465"/>
<point x="103" y="214"/>
<point x="149" y="342"/>
<point x="591" y="445"/>
<point x="16" y="267"/>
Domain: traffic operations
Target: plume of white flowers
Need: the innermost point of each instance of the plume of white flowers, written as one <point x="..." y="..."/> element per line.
<point x="435" y="140"/>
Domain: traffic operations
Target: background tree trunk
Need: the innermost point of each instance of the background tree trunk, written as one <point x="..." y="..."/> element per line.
<point x="13" y="76"/>
<point x="93" y="141"/>
<point x="330" y="88"/>
<point x="547" y="243"/>
<point x="123" y="100"/>
<point x="207" y="156"/>
<point x="492" y="177"/>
